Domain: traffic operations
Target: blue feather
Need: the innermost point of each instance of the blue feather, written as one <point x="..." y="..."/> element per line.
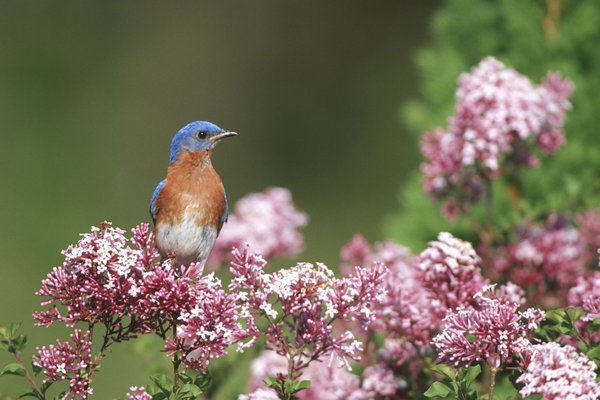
<point x="153" y="207"/>
<point x="225" y="214"/>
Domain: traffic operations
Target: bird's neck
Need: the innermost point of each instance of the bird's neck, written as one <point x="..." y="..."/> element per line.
<point x="193" y="160"/>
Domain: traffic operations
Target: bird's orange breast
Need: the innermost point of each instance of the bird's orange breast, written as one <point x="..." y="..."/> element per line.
<point x="193" y="188"/>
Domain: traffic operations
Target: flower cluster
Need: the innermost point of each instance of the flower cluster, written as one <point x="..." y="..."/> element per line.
<point x="586" y="295"/>
<point x="545" y="260"/>
<point x="208" y="326"/>
<point x="268" y="220"/>
<point x="68" y="362"/>
<point x="558" y="372"/>
<point x="99" y="278"/>
<point x="493" y="330"/>
<point x="300" y="303"/>
<point x="109" y="279"/>
<point x="450" y="271"/>
<point x="404" y="312"/>
<point x="588" y="224"/>
<point x="500" y="118"/>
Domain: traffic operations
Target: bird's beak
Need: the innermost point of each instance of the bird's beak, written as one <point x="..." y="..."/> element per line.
<point x="222" y="135"/>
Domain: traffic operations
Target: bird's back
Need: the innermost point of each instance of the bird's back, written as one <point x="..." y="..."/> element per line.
<point x="189" y="209"/>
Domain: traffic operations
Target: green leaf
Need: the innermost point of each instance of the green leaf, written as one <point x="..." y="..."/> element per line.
<point x="438" y="389"/>
<point x="159" y="396"/>
<point x="13" y="328"/>
<point x="13" y="369"/>
<point x="300" y="385"/>
<point x="573" y="314"/>
<point x="188" y="391"/>
<point x="472" y="374"/>
<point x="444" y="370"/>
<point x="202" y="381"/>
<point x="594" y="325"/>
<point x="289" y="386"/>
<point x="45" y="386"/>
<point x="271" y="382"/>
<point x="185" y="378"/>
<point x="60" y="396"/>
<point x="164" y="383"/>
<point x="30" y="393"/>
<point x="557" y="315"/>
<point x="18" y="343"/>
<point x="594" y="353"/>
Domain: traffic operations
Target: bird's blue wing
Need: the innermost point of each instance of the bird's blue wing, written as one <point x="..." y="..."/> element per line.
<point x="153" y="206"/>
<point x="226" y="213"/>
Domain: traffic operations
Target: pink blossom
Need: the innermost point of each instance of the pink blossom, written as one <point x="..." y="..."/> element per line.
<point x="500" y="118"/>
<point x="210" y="326"/>
<point x="450" y="271"/>
<point x="311" y="298"/>
<point x="378" y="381"/>
<point x="585" y="294"/>
<point x="545" y="260"/>
<point x="98" y="277"/>
<point x="68" y="362"/>
<point x="588" y="225"/>
<point x="405" y="308"/>
<point x="493" y="330"/>
<point x="558" y="373"/>
<point x="119" y="282"/>
<point x="268" y="220"/>
<point x="587" y="289"/>
<point x="138" y="394"/>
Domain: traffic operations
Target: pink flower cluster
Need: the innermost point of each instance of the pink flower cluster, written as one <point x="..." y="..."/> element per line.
<point x="68" y="362"/>
<point x="545" y="260"/>
<point x="419" y="290"/>
<point x="109" y="279"/>
<point x="450" y="271"/>
<point x="586" y="294"/>
<point x="269" y="221"/>
<point x="558" y="372"/>
<point x="100" y="277"/>
<point x="493" y="330"/>
<point x="300" y="303"/>
<point x="207" y="326"/>
<point x="500" y="118"/>
<point x="588" y="224"/>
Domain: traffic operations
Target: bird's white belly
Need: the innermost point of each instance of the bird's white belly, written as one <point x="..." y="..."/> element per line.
<point x="187" y="242"/>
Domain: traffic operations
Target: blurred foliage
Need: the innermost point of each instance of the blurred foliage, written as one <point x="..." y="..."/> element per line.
<point x="92" y="93"/>
<point x="532" y="36"/>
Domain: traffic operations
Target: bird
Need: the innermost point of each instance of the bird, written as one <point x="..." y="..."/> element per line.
<point x="189" y="207"/>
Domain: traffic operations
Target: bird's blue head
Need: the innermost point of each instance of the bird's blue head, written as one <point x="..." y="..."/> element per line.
<point x="197" y="136"/>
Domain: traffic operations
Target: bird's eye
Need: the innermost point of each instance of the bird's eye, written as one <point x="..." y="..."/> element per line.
<point x="202" y="135"/>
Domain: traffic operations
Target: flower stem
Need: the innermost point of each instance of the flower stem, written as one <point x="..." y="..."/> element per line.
<point x="28" y="376"/>
<point x="176" y="362"/>
<point x="493" y="371"/>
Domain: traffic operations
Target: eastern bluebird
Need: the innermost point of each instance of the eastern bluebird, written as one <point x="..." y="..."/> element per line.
<point x="189" y="207"/>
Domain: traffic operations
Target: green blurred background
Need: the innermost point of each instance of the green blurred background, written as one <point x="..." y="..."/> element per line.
<point x="91" y="93"/>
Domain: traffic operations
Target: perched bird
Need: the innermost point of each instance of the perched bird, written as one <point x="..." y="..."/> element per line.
<point x="189" y="207"/>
